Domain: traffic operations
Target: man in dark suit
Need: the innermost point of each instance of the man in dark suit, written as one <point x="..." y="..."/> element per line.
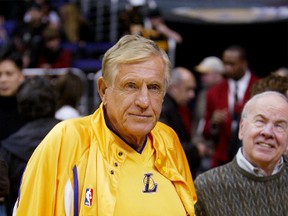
<point x="177" y="113"/>
<point x="225" y="102"/>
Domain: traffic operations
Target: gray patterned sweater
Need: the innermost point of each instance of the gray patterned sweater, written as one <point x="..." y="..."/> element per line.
<point x="230" y="191"/>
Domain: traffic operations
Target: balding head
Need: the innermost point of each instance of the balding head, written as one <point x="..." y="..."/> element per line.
<point x="182" y="85"/>
<point x="264" y="129"/>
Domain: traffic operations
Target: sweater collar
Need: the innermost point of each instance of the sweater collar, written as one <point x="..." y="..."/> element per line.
<point x="247" y="166"/>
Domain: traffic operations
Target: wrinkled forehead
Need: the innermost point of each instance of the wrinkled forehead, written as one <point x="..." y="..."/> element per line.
<point x="271" y="105"/>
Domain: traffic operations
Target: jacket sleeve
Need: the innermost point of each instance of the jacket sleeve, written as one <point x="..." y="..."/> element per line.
<point x="38" y="188"/>
<point x="4" y="180"/>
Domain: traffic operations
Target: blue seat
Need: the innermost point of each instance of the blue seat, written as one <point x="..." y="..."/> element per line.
<point x="72" y="47"/>
<point x="97" y="47"/>
<point x="59" y="3"/>
<point x="87" y="64"/>
<point x="9" y="26"/>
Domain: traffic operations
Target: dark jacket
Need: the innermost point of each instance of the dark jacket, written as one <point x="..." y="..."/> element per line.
<point x="4" y="180"/>
<point x="170" y="115"/>
<point x="10" y="119"/>
<point x="18" y="148"/>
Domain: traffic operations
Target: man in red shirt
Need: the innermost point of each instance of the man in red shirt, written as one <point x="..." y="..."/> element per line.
<point x="225" y="102"/>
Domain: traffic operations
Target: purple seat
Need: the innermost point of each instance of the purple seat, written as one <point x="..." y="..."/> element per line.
<point x="72" y="47"/>
<point x="9" y="26"/>
<point x="87" y="64"/>
<point x="97" y="47"/>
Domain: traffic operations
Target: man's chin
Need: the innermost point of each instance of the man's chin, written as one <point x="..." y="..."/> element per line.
<point x="139" y="130"/>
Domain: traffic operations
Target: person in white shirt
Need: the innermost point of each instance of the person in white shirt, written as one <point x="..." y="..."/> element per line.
<point x="70" y="90"/>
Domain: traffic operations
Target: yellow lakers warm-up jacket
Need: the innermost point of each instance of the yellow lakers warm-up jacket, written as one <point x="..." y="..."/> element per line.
<point x="73" y="172"/>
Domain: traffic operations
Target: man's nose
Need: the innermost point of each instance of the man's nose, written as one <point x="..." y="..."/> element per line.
<point x="268" y="130"/>
<point x="143" y="99"/>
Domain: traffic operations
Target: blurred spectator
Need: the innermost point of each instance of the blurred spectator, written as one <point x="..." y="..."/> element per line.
<point x="177" y="114"/>
<point x="50" y="16"/>
<point x="272" y="82"/>
<point x="51" y="54"/>
<point x="225" y="102"/>
<point x="282" y="71"/>
<point x="4" y="185"/>
<point x="144" y="18"/>
<point x="211" y="71"/>
<point x="75" y="27"/>
<point x="11" y="78"/>
<point x="27" y="36"/>
<point x="37" y="103"/>
<point x="131" y="20"/>
<point x="18" y="45"/>
<point x="13" y="10"/>
<point x="158" y="24"/>
<point x="69" y="91"/>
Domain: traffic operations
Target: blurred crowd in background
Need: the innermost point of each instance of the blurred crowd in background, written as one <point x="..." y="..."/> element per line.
<point x="53" y="35"/>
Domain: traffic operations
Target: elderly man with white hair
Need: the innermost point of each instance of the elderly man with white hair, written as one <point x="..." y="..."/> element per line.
<point x="255" y="181"/>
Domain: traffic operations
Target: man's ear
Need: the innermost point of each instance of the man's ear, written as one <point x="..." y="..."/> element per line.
<point x="240" y="132"/>
<point x="102" y="86"/>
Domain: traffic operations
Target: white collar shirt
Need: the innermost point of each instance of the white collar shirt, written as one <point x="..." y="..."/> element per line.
<point x="242" y="85"/>
<point x="247" y="166"/>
